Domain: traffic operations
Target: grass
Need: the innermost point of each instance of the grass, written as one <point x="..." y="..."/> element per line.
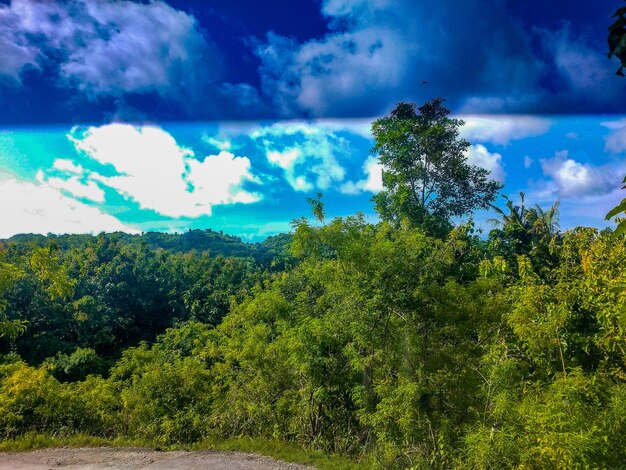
<point x="270" y="448"/>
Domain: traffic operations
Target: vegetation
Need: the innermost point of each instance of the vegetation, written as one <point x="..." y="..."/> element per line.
<point x="617" y="39"/>
<point x="390" y="344"/>
<point x="426" y="176"/>
<point x="619" y="211"/>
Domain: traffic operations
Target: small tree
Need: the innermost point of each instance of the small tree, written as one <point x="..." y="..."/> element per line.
<point x="425" y="172"/>
<point x="317" y="206"/>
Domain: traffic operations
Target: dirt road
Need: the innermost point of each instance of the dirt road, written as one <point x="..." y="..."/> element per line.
<point x="135" y="458"/>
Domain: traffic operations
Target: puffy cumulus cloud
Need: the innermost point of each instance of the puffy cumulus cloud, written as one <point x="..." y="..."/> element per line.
<point x="577" y="62"/>
<point x="143" y="47"/>
<point x="572" y="179"/>
<point x="502" y="130"/>
<point x="109" y="48"/>
<point x="17" y="50"/>
<point x="581" y="67"/>
<point x="478" y="54"/>
<point x="37" y="207"/>
<point x="379" y="51"/>
<point x="615" y="140"/>
<point x="107" y="60"/>
<point x="373" y="181"/>
<point x="308" y="154"/>
<point x="149" y="167"/>
<point x="340" y="70"/>
<point x="479" y="155"/>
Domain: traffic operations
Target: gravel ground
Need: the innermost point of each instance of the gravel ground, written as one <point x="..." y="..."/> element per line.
<point x="136" y="458"/>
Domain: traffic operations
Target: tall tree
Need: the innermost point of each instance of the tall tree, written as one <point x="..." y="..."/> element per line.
<point x="426" y="176"/>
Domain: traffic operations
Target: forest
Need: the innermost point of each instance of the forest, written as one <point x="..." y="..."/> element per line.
<point x="416" y="341"/>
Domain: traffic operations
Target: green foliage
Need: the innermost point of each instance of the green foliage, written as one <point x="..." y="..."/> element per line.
<point x="9" y="274"/>
<point x="617" y="39"/>
<point x="109" y="294"/>
<point x="200" y="241"/>
<point x="317" y="206"/>
<point x="619" y="209"/>
<point x="378" y="342"/>
<point x="76" y="366"/>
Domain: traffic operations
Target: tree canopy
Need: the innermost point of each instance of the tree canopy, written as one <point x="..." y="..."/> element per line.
<point x="426" y="176"/>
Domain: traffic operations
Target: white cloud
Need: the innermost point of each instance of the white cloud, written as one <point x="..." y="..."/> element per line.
<point x="107" y="47"/>
<point x="373" y="182"/>
<point x="615" y="141"/>
<point x="528" y="161"/>
<point x="157" y="173"/>
<point x="307" y="153"/>
<point x="63" y="164"/>
<point x="221" y="144"/>
<point x="218" y="179"/>
<point x="286" y="159"/>
<point x="74" y="186"/>
<point x="573" y="179"/>
<point x="479" y="155"/>
<point x="502" y="130"/>
<point x="40" y="208"/>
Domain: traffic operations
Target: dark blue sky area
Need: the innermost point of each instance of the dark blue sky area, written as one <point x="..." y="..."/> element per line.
<point x="97" y="61"/>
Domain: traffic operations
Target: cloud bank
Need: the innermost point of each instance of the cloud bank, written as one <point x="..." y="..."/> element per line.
<point x="379" y="52"/>
<point x="39" y="207"/>
<point x="150" y="168"/>
<point x="86" y="61"/>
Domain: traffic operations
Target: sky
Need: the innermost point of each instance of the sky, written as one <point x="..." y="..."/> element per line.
<point x="154" y="115"/>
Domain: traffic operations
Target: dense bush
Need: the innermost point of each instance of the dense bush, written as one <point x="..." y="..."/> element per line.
<point x="422" y="352"/>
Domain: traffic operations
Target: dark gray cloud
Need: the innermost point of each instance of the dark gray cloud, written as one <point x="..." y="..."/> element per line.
<point x="130" y="60"/>
<point x="95" y="60"/>
<point x="474" y="53"/>
<point x="107" y="48"/>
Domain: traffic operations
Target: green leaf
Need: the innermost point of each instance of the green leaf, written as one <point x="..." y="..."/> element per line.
<point x="617" y="210"/>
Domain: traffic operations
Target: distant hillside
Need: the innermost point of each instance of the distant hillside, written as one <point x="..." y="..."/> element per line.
<point x="214" y="243"/>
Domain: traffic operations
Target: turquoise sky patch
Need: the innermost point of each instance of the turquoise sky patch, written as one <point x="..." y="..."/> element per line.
<point x="251" y="179"/>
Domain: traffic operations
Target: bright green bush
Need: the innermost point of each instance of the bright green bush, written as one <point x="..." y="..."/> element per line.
<point x="379" y="341"/>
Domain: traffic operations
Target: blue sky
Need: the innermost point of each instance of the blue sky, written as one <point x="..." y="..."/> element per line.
<point x="217" y="114"/>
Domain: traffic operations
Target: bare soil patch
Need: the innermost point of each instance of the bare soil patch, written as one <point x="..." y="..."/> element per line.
<point x="136" y="458"/>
